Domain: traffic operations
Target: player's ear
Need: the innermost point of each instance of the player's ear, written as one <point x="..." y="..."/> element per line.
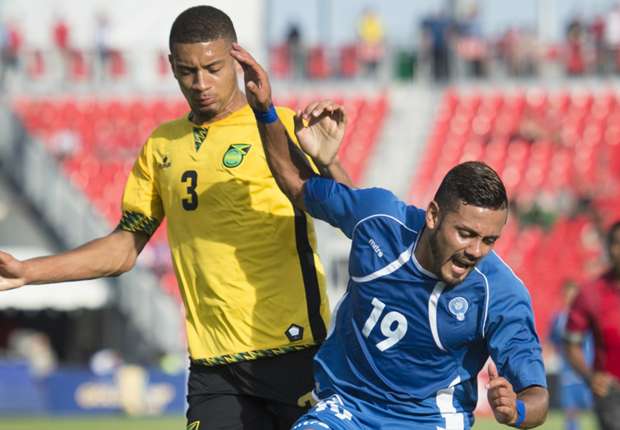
<point x="432" y="215"/>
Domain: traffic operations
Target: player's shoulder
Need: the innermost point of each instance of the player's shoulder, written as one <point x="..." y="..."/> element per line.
<point x="170" y="130"/>
<point x="501" y="280"/>
<point x="286" y="115"/>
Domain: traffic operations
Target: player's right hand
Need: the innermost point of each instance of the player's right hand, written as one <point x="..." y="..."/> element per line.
<point x="501" y="397"/>
<point x="320" y="129"/>
<point x="600" y="383"/>
<point x="257" y="85"/>
<point x="11" y="272"/>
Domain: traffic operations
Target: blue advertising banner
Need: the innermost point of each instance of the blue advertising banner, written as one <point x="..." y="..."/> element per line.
<point x="131" y="390"/>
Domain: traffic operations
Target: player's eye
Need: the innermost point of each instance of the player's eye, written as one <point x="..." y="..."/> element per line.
<point x="490" y="240"/>
<point x="465" y="234"/>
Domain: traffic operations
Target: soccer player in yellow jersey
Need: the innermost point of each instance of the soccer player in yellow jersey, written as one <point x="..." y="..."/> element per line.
<point x="251" y="282"/>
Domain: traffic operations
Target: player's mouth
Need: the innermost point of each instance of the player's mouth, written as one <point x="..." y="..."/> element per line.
<point x="207" y="101"/>
<point x="459" y="267"/>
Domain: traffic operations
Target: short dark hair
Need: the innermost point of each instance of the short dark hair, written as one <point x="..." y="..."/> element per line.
<point x="201" y="24"/>
<point x="611" y="232"/>
<point x="473" y="183"/>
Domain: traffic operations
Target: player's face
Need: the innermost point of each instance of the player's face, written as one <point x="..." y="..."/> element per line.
<point x="614" y="250"/>
<point x="459" y="239"/>
<point x="207" y="76"/>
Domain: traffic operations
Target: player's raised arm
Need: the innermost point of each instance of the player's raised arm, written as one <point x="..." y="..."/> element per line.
<point x="320" y="136"/>
<point x="110" y="255"/>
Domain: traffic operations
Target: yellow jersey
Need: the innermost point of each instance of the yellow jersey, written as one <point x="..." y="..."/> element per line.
<point x="245" y="260"/>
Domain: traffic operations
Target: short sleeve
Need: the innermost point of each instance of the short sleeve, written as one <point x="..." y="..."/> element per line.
<point x="142" y="207"/>
<point x="512" y="340"/>
<point x="344" y="207"/>
<point x="578" y="323"/>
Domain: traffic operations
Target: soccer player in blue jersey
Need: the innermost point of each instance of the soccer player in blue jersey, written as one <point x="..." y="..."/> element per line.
<point x="428" y="300"/>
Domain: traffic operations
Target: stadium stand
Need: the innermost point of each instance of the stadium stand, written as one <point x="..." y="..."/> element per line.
<point x="97" y="141"/>
<point x="544" y="144"/>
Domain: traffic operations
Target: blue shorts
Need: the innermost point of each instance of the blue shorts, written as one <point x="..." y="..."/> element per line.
<point x="336" y="413"/>
<point x="576" y="396"/>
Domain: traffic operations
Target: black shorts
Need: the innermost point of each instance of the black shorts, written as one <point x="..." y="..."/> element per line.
<point x="608" y="409"/>
<point x="263" y="394"/>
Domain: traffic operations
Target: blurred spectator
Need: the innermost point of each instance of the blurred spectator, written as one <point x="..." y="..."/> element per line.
<point x="575" y="62"/>
<point x="61" y="43"/>
<point x="437" y="34"/>
<point x="519" y="51"/>
<point x="295" y="51"/>
<point x="612" y="39"/>
<point x="597" y="33"/>
<point x="103" y="46"/>
<point x="11" y="49"/>
<point x="574" y="393"/>
<point x="370" y="41"/>
<point x="595" y="310"/>
<point x="471" y="45"/>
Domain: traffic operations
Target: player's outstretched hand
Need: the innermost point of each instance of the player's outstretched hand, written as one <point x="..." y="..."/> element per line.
<point x="501" y="396"/>
<point x="320" y="128"/>
<point x="257" y="86"/>
<point x="11" y="272"/>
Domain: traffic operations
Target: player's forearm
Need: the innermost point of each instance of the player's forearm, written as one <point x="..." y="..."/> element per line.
<point x="336" y="172"/>
<point x="536" y="400"/>
<point x="576" y="358"/>
<point x="110" y="255"/>
<point x="289" y="168"/>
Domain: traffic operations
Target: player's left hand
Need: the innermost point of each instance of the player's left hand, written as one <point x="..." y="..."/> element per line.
<point x="501" y="396"/>
<point x="320" y="128"/>
<point x="257" y="85"/>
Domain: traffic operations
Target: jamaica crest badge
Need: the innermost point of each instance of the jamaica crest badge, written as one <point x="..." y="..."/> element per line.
<point x="235" y="154"/>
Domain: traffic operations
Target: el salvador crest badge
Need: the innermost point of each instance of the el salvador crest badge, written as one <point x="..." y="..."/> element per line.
<point x="458" y="306"/>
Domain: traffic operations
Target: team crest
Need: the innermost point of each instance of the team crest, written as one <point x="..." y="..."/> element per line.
<point x="235" y="154"/>
<point x="458" y="306"/>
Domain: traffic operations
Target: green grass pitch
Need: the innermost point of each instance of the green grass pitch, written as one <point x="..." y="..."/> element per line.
<point x="554" y="422"/>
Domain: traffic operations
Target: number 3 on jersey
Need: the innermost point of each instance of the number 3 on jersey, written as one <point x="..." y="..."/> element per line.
<point x="393" y="325"/>
<point x="191" y="178"/>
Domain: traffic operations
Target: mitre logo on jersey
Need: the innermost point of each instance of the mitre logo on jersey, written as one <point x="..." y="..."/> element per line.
<point x="235" y="154"/>
<point x="458" y="306"/>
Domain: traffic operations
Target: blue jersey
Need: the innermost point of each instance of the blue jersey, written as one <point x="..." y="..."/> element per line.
<point x="402" y="339"/>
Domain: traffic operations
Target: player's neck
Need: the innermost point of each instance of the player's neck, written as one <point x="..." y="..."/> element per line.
<point x="236" y="102"/>
<point x="422" y="251"/>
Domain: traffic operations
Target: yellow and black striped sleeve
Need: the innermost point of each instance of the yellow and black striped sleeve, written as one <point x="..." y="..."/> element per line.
<point x="142" y="206"/>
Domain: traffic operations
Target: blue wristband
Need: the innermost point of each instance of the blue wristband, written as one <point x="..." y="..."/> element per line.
<point x="267" y="117"/>
<point x="520" y="413"/>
